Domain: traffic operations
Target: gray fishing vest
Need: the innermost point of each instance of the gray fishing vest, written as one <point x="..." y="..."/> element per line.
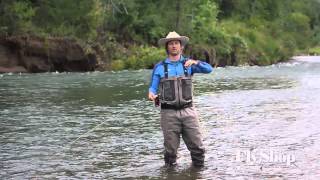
<point x="176" y="92"/>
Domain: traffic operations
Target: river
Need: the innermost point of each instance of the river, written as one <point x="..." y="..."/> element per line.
<point x="257" y="123"/>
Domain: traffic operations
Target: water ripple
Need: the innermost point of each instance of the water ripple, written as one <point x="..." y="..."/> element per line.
<point x="99" y="125"/>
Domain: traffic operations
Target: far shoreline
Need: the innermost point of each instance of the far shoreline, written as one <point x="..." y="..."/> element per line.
<point x="306" y="58"/>
<point x="20" y="69"/>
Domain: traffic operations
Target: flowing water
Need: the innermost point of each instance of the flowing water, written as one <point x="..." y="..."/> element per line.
<point x="257" y="123"/>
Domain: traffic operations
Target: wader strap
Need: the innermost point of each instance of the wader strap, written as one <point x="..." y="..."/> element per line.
<point x="165" y="65"/>
<point x="184" y="68"/>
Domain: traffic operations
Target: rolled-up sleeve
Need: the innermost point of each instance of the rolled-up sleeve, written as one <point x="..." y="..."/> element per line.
<point x="201" y="67"/>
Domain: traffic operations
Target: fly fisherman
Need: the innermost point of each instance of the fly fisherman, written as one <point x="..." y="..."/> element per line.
<point x="172" y="79"/>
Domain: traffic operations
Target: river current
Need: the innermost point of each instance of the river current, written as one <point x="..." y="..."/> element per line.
<point x="257" y="123"/>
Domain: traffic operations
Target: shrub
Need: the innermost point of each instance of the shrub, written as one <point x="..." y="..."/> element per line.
<point x="117" y="65"/>
<point x="314" y="51"/>
<point x="139" y="57"/>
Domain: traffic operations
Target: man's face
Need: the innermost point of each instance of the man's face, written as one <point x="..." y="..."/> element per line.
<point x="174" y="48"/>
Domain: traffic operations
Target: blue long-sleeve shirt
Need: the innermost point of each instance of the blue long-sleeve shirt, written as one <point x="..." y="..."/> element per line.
<point x="175" y="69"/>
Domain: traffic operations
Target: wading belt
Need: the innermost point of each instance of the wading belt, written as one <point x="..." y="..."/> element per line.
<point x="168" y="106"/>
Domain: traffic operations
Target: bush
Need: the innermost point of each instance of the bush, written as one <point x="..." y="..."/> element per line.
<point x="145" y="57"/>
<point x="16" y="17"/>
<point x="261" y="41"/>
<point x="117" y="65"/>
<point x="139" y="57"/>
<point x="315" y="51"/>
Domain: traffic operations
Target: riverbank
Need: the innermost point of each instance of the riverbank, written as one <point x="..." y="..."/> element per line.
<point x="31" y="54"/>
<point x="113" y="35"/>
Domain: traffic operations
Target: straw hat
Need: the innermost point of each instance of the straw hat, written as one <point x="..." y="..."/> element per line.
<point x="174" y="36"/>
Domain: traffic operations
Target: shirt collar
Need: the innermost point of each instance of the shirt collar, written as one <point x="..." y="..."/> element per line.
<point x="174" y="62"/>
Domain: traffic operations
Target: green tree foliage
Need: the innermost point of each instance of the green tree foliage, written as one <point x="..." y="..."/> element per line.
<point x="238" y="31"/>
<point x="16" y="16"/>
<point x="204" y="22"/>
<point x="71" y="18"/>
<point x="274" y="30"/>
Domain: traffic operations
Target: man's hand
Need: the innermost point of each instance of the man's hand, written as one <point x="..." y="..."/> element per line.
<point x="152" y="96"/>
<point x="189" y="62"/>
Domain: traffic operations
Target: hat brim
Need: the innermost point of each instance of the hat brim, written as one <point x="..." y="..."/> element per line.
<point x="183" y="39"/>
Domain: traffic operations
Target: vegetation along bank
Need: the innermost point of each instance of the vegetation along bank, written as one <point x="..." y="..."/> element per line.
<point x="87" y="35"/>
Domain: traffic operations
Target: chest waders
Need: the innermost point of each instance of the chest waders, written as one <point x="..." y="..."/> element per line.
<point x="175" y="92"/>
<point x="179" y="118"/>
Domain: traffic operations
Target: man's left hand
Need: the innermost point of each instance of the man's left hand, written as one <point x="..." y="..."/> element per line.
<point x="189" y="62"/>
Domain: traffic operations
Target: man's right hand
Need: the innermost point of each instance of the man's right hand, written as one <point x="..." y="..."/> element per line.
<point x="152" y="96"/>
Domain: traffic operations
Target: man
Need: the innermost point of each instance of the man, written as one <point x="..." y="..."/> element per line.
<point x="172" y="77"/>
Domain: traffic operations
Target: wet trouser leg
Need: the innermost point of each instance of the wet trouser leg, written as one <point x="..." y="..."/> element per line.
<point x="171" y="127"/>
<point x="185" y="122"/>
<point x="191" y="135"/>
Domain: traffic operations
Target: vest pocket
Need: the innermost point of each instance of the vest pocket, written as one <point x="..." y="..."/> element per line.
<point x="186" y="89"/>
<point x="169" y="90"/>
